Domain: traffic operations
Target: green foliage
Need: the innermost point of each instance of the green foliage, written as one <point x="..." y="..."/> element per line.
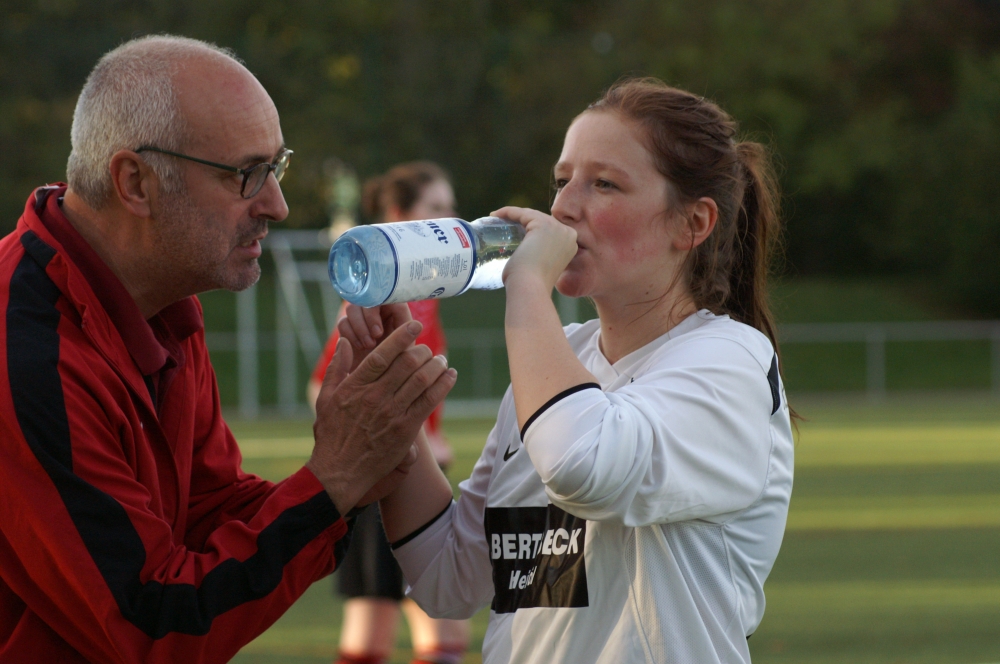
<point x="885" y="114"/>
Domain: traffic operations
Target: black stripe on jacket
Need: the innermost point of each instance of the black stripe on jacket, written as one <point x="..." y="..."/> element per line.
<point x="103" y="524"/>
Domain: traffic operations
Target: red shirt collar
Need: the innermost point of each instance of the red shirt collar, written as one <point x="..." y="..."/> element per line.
<point x="177" y="321"/>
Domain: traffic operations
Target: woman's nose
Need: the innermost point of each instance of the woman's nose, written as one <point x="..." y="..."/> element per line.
<point x="566" y="205"/>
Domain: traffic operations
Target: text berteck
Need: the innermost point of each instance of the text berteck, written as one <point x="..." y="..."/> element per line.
<point x="537" y="557"/>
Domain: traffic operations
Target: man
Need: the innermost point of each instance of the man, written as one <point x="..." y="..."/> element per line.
<point x="128" y="531"/>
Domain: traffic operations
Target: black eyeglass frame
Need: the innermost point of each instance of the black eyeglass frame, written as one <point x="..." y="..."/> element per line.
<point x="278" y="167"/>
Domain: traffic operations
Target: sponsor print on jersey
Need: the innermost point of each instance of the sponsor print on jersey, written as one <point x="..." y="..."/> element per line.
<point x="431" y="264"/>
<point x="537" y="557"/>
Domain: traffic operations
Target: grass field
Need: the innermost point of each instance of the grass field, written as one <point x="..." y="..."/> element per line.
<point x="890" y="557"/>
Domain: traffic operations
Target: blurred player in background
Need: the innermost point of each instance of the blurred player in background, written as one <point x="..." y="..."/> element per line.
<point x="632" y="498"/>
<point x="369" y="576"/>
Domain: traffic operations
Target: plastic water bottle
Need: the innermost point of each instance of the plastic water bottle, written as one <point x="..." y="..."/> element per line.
<point x="420" y="260"/>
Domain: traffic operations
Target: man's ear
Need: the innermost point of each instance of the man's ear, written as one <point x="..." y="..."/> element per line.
<point x="134" y="182"/>
<point x="701" y="218"/>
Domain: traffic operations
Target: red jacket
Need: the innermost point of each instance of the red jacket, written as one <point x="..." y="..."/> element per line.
<point x="128" y="531"/>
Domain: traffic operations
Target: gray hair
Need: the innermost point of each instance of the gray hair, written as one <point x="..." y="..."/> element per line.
<point x="129" y="101"/>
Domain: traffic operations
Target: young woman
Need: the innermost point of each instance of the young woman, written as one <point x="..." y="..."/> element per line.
<point x="369" y="577"/>
<point x="632" y="498"/>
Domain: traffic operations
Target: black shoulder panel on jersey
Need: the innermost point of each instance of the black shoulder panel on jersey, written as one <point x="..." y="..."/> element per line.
<point x="554" y="400"/>
<point x="111" y="539"/>
<point x="772" y="379"/>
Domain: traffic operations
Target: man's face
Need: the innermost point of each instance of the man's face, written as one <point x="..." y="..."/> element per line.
<point x="209" y="233"/>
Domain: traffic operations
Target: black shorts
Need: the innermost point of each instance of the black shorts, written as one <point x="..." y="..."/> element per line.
<point x="369" y="568"/>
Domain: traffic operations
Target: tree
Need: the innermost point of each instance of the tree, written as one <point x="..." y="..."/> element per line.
<point x="882" y="112"/>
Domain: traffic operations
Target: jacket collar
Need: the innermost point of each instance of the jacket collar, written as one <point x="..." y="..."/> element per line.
<point x="91" y="282"/>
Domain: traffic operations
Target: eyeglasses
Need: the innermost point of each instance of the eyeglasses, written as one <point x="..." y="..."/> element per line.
<point x="254" y="176"/>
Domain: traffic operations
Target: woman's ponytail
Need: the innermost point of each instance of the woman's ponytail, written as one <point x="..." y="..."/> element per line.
<point x="756" y="228"/>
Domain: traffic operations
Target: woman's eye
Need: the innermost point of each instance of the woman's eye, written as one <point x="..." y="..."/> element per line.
<point x="604" y="184"/>
<point x="559" y="184"/>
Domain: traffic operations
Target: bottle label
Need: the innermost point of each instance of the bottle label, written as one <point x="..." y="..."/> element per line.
<point x="435" y="258"/>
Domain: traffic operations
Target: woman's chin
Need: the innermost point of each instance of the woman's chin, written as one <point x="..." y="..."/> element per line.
<point x="570" y="285"/>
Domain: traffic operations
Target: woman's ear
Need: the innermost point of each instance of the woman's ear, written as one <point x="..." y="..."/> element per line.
<point x="701" y="217"/>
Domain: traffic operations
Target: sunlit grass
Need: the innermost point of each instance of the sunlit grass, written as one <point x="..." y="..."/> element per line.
<point x="308" y="633"/>
<point x="889" y="557"/>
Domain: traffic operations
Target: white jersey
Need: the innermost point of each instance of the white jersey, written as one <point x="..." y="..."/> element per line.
<point x="637" y="520"/>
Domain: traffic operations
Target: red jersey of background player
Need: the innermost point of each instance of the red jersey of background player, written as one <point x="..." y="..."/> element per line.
<point x="425" y="311"/>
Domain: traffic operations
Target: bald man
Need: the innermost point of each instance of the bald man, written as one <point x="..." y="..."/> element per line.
<point x="128" y="531"/>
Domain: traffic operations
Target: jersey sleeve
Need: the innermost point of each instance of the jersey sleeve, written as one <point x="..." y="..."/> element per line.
<point x="687" y="439"/>
<point x="95" y="553"/>
<point x="447" y="565"/>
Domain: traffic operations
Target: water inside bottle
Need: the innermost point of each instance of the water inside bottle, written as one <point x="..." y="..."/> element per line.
<point x="362" y="266"/>
<point x="350" y="265"/>
<point x="497" y="240"/>
<point x="365" y="266"/>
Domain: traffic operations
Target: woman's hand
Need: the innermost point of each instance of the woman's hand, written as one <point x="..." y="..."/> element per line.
<point x="546" y="250"/>
<point x="542" y="363"/>
<point x="364" y="328"/>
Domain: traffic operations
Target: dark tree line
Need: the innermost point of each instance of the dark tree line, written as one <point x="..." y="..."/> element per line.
<point x="885" y="114"/>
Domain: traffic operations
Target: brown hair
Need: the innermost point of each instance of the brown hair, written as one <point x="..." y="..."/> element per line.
<point x="693" y="143"/>
<point x="400" y="186"/>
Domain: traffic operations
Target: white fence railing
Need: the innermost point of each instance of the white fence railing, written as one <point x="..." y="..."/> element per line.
<point x="485" y="343"/>
<point x="299" y="334"/>
<point x="875" y="336"/>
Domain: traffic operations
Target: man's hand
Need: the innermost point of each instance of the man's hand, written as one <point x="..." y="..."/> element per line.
<point x="388" y="484"/>
<point x="367" y="419"/>
<point x="364" y="327"/>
